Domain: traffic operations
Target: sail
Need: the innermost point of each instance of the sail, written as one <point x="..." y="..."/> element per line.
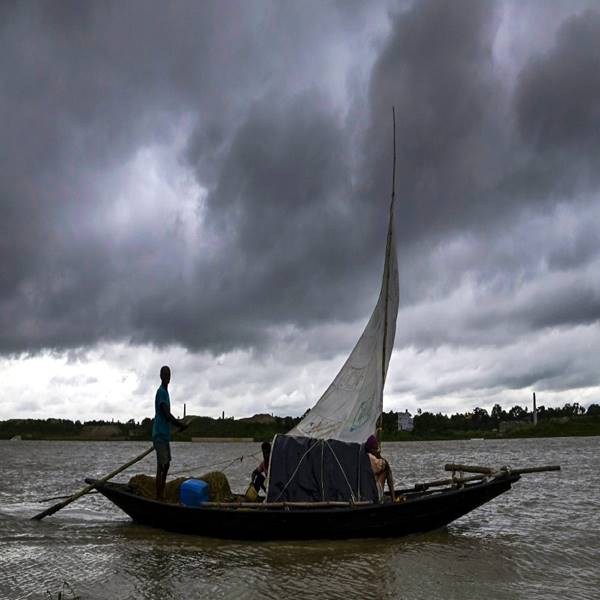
<point x="350" y="407"/>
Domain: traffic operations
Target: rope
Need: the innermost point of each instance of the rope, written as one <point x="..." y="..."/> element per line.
<point x="358" y="471"/>
<point x="322" y="472"/>
<point x="322" y="443"/>
<point x="343" y="472"/>
<point x="185" y="470"/>
<point x="212" y="465"/>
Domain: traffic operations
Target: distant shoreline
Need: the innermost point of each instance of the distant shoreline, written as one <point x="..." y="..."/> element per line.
<point x="205" y="429"/>
<point x="233" y="440"/>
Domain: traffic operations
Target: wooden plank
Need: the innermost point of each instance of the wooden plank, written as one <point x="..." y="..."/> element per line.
<point x="490" y="471"/>
<point x="468" y="468"/>
<point x="535" y="469"/>
<point x="451" y="481"/>
<point x="278" y="505"/>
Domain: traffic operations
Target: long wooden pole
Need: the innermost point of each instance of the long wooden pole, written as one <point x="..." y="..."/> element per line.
<point x="89" y="488"/>
<point x="386" y="269"/>
<point x="490" y="471"/>
<point x="442" y="482"/>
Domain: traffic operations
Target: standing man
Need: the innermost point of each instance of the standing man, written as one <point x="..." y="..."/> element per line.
<point x="161" y="431"/>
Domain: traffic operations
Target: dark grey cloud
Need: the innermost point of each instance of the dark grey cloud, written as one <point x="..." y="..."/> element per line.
<point x="437" y="68"/>
<point x="557" y="95"/>
<point x="280" y="116"/>
<point x="88" y="86"/>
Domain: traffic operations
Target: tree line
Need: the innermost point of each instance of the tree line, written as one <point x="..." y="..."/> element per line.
<point x="425" y="424"/>
<point x="142" y="430"/>
<point x="479" y="419"/>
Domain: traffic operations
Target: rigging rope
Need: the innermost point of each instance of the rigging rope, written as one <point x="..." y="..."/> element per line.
<point x="343" y="472"/>
<point x="322" y="444"/>
<point x="212" y="465"/>
<point x="296" y="470"/>
<point x="184" y="470"/>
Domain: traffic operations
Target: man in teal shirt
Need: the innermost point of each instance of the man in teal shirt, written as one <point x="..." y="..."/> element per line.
<point x="161" y="430"/>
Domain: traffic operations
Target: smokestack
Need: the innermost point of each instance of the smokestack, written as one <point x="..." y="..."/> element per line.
<point x="184" y="410"/>
<point x="534" y="411"/>
<point x="223" y="415"/>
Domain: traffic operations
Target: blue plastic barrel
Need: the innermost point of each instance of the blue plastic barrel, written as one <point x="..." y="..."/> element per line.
<point x="193" y="492"/>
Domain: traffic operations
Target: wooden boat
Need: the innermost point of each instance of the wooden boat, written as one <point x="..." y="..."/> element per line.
<point x="348" y="412"/>
<point x="415" y="512"/>
<point x="337" y="498"/>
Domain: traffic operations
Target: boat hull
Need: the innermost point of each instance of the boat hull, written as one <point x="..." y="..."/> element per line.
<point x="419" y="513"/>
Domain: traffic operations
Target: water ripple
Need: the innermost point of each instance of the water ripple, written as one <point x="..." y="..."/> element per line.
<point x="540" y="540"/>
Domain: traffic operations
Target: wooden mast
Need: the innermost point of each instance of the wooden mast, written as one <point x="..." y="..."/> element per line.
<point x="386" y="270"/>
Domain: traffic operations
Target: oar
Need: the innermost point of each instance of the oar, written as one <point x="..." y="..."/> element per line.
<point x="85" y="490"/>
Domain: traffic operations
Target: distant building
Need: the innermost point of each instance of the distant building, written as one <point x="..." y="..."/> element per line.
<point x="405" y="421"/>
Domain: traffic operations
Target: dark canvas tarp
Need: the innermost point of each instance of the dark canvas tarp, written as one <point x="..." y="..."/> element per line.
<point x="305" y="469"/>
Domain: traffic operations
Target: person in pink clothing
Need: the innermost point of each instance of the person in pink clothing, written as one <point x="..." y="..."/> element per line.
<point x="381" y="467"/>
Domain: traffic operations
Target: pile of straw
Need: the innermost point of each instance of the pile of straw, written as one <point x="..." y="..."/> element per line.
<point x="218" y="487"/>
<point x="144" y="485"/>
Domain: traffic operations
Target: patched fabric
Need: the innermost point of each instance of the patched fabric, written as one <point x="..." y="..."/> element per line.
<point x="305" y="469"/>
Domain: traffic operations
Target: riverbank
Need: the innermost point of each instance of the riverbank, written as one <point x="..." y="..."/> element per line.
<point x="573" y="427"/>
<point x="235" y="431"/>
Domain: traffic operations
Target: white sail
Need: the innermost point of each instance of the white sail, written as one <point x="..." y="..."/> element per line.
<point x="351" y="406"/>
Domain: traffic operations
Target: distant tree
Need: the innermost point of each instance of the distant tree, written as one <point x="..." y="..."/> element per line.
<point x="427" y="422"/>
<point x="516" y="413"/>
<point x="389" y="421"/>
<point x="570" y="410"/>
<point x="481" y="419"/>
<point x="498" y="414"/>
<point x="460" y="422"/>
<point x="593" y="410"/>
<point x="578" y="410"/>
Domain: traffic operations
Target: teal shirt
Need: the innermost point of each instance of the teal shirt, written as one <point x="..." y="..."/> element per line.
<point x="161" y="429"/>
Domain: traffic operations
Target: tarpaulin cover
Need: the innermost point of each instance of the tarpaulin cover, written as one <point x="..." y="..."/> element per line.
<point x="305" y="469"/>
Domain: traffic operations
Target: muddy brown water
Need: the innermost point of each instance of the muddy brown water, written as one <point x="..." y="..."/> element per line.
<point x="539" y="540"/>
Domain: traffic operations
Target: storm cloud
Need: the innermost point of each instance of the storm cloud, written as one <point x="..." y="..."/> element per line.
<point x="214" y="178"/>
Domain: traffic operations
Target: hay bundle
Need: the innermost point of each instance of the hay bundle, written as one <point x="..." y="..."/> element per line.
<point x="145" y="486"/>
<point x="218" y="487"/>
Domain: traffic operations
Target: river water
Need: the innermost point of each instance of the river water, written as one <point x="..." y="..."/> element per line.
<point x="539" y="540"/>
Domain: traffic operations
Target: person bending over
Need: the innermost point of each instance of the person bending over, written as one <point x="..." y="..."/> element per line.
<point x="259" y="475"/>
<point x="380" y="466"/>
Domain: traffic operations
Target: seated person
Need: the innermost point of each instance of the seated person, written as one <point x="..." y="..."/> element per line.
<point x="380" y="466"/>
<point x="259" y="475"/>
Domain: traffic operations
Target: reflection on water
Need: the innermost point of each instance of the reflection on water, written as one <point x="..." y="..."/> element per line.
<point x="539" y="540"/>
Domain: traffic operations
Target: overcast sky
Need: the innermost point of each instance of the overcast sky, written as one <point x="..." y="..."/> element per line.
<point x="206" y="185"/>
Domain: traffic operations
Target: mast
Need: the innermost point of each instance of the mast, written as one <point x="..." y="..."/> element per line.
<point x="386" y="270"/>
<point x="351" y="407"/>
